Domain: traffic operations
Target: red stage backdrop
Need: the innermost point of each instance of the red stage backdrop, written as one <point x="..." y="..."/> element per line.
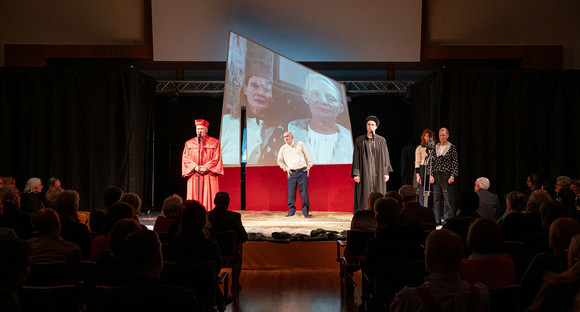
<point x="230" y="182"/>
<point x="330" y="189"/>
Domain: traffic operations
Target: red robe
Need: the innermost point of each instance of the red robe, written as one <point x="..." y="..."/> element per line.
<point x="211" y="158"/>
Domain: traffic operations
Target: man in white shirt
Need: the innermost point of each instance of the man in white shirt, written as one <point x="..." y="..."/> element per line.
<point x="295" y="160"/>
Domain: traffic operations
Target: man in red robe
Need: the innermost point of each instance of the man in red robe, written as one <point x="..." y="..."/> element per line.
<point x="202" y="172"/>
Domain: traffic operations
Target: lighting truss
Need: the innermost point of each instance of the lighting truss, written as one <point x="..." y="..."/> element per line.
<point x="174" y="87"/>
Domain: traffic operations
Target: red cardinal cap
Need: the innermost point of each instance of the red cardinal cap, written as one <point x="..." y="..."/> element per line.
<point x="201" y="122"/>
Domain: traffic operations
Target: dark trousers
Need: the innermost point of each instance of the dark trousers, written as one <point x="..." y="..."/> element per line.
<point x="298" y="179"/>
<point x="439" y="203"/>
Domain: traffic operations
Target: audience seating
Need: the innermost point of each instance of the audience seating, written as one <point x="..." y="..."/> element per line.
<point x="201" y="279"/>
<point x="504" y="299"/>
<point x="516" y="251"/>
<point x="51" y="274"/>
<point x="62" y="298"/>
<point x="353" y="255"/>
<point x="390" y="278"/>
<point x="231" y="258"/>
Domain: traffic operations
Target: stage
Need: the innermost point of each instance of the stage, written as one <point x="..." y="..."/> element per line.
<point x="261" y="224"/>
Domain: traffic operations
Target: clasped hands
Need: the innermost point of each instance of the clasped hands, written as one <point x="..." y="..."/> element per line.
<point x="200" y="169"/>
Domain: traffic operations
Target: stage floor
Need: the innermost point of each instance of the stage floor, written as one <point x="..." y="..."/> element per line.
<point x="262" y="224"/>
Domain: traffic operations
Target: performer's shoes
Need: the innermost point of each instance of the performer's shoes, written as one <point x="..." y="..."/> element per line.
<point x="289" y="215"/>
<point x="307" y="216"/>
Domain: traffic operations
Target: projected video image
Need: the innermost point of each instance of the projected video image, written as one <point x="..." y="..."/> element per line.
<point x="280" y="95"/>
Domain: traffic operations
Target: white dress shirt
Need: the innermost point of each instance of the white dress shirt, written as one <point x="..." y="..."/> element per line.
<point x="294" y="156"/>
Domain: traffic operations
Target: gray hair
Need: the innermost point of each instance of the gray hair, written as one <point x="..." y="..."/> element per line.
<point x="483" y="182"/>
<point x="408" y="192"/>
<point x="31" y="185"/>
<point x="564" y="180"/>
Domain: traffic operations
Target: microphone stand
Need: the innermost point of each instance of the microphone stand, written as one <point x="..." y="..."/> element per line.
<point x="198" y="162"/>
<point x="426" y="182"/>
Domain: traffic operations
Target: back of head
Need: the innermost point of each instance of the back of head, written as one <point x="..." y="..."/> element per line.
<point x="552" y="210"/>
<point x="117" y="211"/>
<point x="141" y="252"/>
<point x="485" y="236"/>
<point x="469" y="203"/>
<point x="193" y="218"/>
<point x="561" y="232"/>
<point x="132" y="199"/>
<point x="408" y="193"/>
<point x="120" y="230"/>
<point x="517" y="201"/>
<point x="564" y="181"/>
<point x="46" y="221"/>
<point x="443" y="251"/>
<point x="574" y="250"/>
<point x="568" y="198"/>
<point x="387" y="211"/>
<point x="483" y="183"/>
<point x="14" y="262"/>
<point x="67" y="204"/>
<point x="112" y="195"/>
<point x="52" y="196"/>
<point x="396" y="196"/>
<point x="172" y="207"/>
<point x="8" y="193"/>
<point x="536" y="199"/>
<point x="222" y="199"/>
<point x="373" y="196"/>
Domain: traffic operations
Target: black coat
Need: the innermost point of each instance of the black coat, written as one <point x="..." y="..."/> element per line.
<point x="371" y="177"/>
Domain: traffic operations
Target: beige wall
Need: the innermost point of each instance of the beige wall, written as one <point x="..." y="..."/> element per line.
<point x="450" y="22"/>
<point x="71" y="22"/>
<point x="512" y="22"/>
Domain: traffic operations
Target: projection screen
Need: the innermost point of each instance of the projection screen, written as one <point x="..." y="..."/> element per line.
<point x="280" y="95"/>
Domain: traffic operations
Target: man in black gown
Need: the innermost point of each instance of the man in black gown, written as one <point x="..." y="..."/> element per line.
<point x="370" y="164"/>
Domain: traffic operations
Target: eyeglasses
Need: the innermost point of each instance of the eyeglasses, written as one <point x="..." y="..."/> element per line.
<point x="328" y="98"/>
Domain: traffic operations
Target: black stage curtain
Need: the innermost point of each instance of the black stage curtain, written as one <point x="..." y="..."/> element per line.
<point x="505" y="124"/>
<point x="175" y="124"/>
<point x="89" y="127"/>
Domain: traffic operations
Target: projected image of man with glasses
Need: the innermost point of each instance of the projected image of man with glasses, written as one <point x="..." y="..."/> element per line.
<point x="327" y="141"/>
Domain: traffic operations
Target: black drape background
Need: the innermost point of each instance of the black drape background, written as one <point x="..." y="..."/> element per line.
<point x="505" y="124"/>
<point x="94" y="127"/>
<point x="89" y="127"/>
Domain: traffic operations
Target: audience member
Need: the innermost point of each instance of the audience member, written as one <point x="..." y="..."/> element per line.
<point x="562" y="183"/>
<point x="515" y="202"/>
<point x="31" y="202"/>
<point x="488" y="201"/>
<point x="141" y="252"/>
<point x="9" y="181"/>
<point x="51" y="197"/>
<point x="559" y="291"/>
<point x="221" y="219"/>
<point x="171" y="210"/>
<point x="538" y="242"/>
<point x="54" y="183"/>
<point x="532" y="184"/>
<point x="116" y="212"/>
<point x="14" y="268"/>
<point x="72" y="230"/>
<point x="2" y="182"/>
<point x="10" y="215"/>
<point x="518" y="226"/>
<point x="487" y="264"/>
<point x="413" y="214"/>
<point x="467" y="215"/>
<point x="97" y="217"/>
<point x="393" y="242"/>
<point x="561" y="232"/>
<point x="110" y="266"/>
<point x="192" y="242"/>
<point x="364" y="220"/>
<point x="549" y="186"/>
<point x="443" y="289"/>
<point x="395" y="195"/>
<point x="134" y="200"/>
<point x="49" y="247"/>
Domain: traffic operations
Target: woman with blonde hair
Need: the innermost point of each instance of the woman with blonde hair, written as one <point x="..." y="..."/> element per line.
<point x="30" y="201"/>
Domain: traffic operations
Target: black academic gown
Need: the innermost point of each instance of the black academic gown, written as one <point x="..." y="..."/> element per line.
<point x="362" y="167"/>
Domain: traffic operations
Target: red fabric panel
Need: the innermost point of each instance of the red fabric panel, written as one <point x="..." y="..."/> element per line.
<point x="231" y="182"/>
<point x="330" y="189"/>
